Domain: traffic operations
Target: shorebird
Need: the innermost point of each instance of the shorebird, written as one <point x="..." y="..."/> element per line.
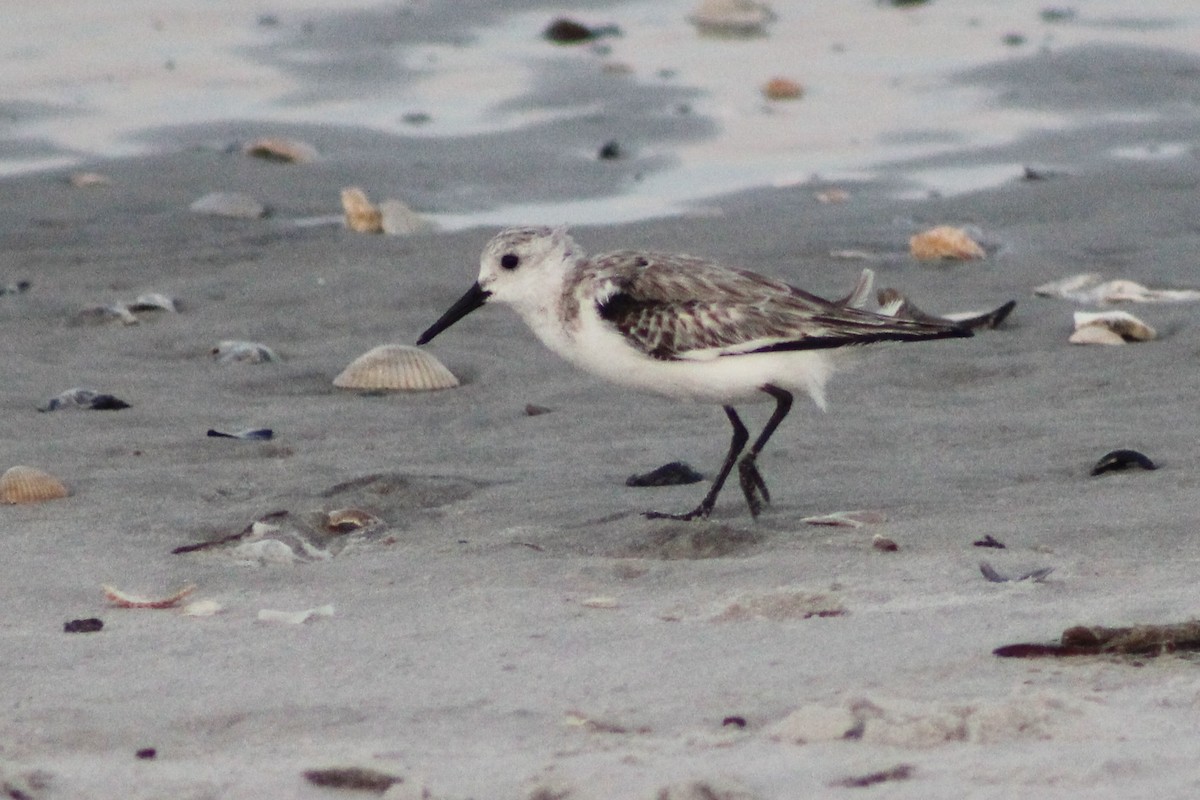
<point x="680" y="326"/>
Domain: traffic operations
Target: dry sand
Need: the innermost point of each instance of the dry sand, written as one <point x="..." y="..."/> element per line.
<point x="519" y="630"/>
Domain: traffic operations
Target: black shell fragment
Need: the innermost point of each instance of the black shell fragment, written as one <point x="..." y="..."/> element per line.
<point x="1122" y="459"/>
<point x="676" y="473"/>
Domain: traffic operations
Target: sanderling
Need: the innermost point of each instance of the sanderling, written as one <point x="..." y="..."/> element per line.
<point x="682" y="327"/>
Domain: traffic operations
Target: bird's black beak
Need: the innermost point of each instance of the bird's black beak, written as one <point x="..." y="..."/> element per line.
<point x="473" y="299"/>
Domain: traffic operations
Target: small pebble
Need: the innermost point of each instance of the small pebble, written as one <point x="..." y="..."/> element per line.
<point x="89" y="625"/>
<point x="677" y="473"/>
<point x="146" y="753"/>
<point x="610" y="151"/>
<point x="1122" y="459"/>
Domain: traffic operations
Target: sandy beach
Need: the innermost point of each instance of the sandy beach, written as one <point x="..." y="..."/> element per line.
<point x="511" y="626"/>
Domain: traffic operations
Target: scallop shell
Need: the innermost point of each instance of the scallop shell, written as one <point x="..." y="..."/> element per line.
<point x="278" y="148"/>
<point x="1122" y="323"/>
<point x="945" y="242"/>
<point x="782" y="89"/>
<point x="236" y="351"/>
<point x="396" y="366"/>
<point x="22" y="484"/>
<point x="361" y="215"/>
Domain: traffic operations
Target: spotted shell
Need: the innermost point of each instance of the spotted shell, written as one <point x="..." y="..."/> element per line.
<point x="22" y="484"/>
<point x="395" y="366"/>
<point x="361" y="215"/>
<point x="945" y="242"/>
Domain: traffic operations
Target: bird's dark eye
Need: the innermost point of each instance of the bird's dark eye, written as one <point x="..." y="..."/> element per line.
<point x="509" y="261"/>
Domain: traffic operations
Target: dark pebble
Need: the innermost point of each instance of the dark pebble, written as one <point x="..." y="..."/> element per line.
<point x="146" y="753"/>
<point x="106" y="402"/>
<point x="89" y="625"/>
<point x="568" y="31"/>
<point x="676" y="473"/>
<point x="610" y="151"/>
<point x="1122" y="459"/>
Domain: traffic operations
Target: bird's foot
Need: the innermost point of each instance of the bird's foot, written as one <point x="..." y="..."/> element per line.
<point x="753" y="485"/>
<point x="699" y="512"/>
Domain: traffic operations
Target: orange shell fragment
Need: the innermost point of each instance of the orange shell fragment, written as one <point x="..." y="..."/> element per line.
<point x="125" y="600"/>
<point x="945" y="242"/>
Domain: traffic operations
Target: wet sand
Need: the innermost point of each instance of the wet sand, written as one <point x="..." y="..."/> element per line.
<point x="519" y="630"/>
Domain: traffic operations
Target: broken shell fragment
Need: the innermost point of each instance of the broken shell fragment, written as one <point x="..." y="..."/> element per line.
<point x="295" y="617"/>
<point x="202" y="608"/>
<point x="397" y="367"/>
<point x="847" y="519"/>
<point x="249" y="434"/>
<point x="229" y="204"/>
<point x="779" y="88"/>
<point x="1122" y="324"/>
<point x="21" y="484"/>
<point x="99" y="315"/>
<point x="85" y="399"/>
<point x="236" y="351"/>
<point x="126" y="600"/>
<point x="361" y="215"/>
<point x="732" y="18"/>
<point x="282" y="150"/>
<point x="1122" y="459"/>
<point x="945" y="243"/>
<point x="84" y="180"/>
<point x="154" y="301"/>
<point x="349" y="520"/>
<point x="1087" y="287"/>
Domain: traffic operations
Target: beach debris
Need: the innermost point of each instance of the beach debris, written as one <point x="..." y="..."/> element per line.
<point x="846" y="519"/>
<point x="20" y="287"/>
<point x="87" y="180"/>
<point x="86" y="399"/>
<point x="988" y="541"/>
<point x="22" y="484"/>
<point x="884" y="544"/>
<point x="281" y="150"/>
<point x="734" y="720"/>
<point x="355" y="778"/>
<point x="398" y="219"/>
<point x="900" y="772"/>
<point x="146" y="753"/>
<point x="1122" y="325"/>
<point x="533" y="410"/>
<point x="347" y="520"/>
<point x="601" y="602"/>
<point x="1090" y="640"/>
<point x="154" y="301"/>
<point x="202" y="608"/>
<point x="237" y="351"/>
<point x="102" y="314"/>
<point x="676" y="473"/>
<point x="832" y="196"/>
<point x="569" y="31"/>
<point x="361" y="214"/>
<point x="945" y="243"/>
<point x="295" y="617"/>
<point x="1091" y="288"/>
<point x="781" y="605"/>
<point x="1057" y="14"/>
<point x="731" y="18"/>
<point x="780" y="88"/>
<point x="578" y="719"/>
<point x="610" y="151"/>
<point x="894" y="304"/>
<point x="416" y="118"/>
<point x="87" y="625"/>
<point x="1121" y="460"/>
<point x="123" y="599"/>
<point x="395" y="367"/>
<point x="1036" y="575"/>
<point x="250" y="434"/>
<point x="229" y="204"/>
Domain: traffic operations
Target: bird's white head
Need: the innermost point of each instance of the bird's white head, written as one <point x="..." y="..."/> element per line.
<point x="521" y="267"/>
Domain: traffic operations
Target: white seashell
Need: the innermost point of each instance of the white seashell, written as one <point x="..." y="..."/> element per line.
<point x="126" y="600"/>
<point x="1122" y="323"/>
<point x="278" y="148"/>
<point x="847" y="519"/>
<point x="361" y="215"/>
<point x="1095" y="334"/>
<point x="83" y="180"/>
<point x="154" y="301"/>
<point x="295" y="617"/>
<point x="731" y="17"/>
<point x="203" y="608"/>
<point x="397" y="219"/>
<point x="396" y="366"/>
<point x="1088" y="288"/>
<point x="1068" y="288"/>
<point x="236" y="351"/>
<point x="229" y="204"/>
<point x="21" y="484"/>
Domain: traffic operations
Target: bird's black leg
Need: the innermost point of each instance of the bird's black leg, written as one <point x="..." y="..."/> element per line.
<point x="752" y="481"/>
<point x="740" y="437"/>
